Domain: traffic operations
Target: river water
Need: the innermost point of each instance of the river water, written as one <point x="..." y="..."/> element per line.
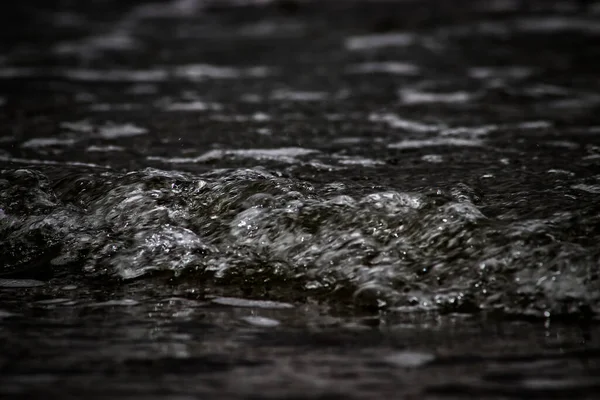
<point x="261" y="199"/>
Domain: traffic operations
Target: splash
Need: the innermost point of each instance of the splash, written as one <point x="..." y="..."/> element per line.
<point x="258" y="230"/>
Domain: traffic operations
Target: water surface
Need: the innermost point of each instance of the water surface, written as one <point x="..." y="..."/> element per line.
<point x="340" y="199"/>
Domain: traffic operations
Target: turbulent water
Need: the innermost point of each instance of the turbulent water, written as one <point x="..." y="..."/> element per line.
<point x="448" y="248"/>
<point x="398" y="157"/>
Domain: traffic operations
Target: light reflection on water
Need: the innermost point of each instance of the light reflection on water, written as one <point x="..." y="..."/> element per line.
<point x="204" y="201"/>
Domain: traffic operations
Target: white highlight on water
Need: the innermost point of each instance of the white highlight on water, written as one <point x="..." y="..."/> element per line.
<point x="286" y="154"/>
<point x="247" y="303"/>
<point x="291" y="95"/>
<point x="47" y="142"/>
<point x="394" y="121"/>
<point x="409" y="359"/>
<point x="367" y="42"/>
<point x="412" y="96"/>
<point x="417" y="144"/>
<point x="196" y="105"/>
<point x="262" y="322"/>
<point x="113" y="131"/>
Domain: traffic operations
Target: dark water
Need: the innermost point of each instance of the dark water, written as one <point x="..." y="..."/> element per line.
<point x="300" y="199"/>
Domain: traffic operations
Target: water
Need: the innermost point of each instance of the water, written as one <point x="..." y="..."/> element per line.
<point x="299" y="199"/>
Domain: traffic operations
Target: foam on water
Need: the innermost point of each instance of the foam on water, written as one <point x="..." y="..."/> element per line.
<point x="256" y="228"/>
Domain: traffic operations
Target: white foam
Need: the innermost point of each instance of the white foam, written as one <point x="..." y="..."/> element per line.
<point x="417" y="144"/>
<point x="386" y="67"/>
<point x="287" y="154"/>
<point x="47" y="142"/>
<point x="411" y="96"/>
<point x="367" y="42"/>
<point x="395" y="121"/>
<point x="113" y="131"/>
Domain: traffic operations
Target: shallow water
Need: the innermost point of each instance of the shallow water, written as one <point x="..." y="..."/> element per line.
<point x="291" y="196"/>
